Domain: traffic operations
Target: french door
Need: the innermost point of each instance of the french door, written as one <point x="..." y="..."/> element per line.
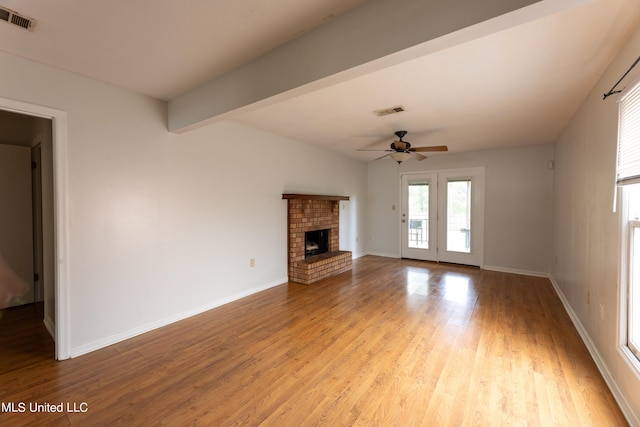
<point x="442" y="216"/>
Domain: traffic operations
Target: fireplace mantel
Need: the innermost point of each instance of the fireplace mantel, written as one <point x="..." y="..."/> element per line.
<point x="314" y="197"/>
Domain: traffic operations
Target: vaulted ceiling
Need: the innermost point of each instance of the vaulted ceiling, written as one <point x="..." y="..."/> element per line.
<point x="471" y="75"/>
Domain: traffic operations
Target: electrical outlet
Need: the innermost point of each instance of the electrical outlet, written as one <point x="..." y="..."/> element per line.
<point x="588" y="298"/>
<point x="252" y="262"/>
<point x="601" y="311"/>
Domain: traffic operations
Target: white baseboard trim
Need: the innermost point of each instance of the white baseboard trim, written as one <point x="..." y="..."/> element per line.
<point x="486" y="267"/>
<point x="382" y="254"/>
<point x="516" y="271"/>
<point x="619" y="396"/>
<point x="116" y="338"/>
<point x="50" y="325"/>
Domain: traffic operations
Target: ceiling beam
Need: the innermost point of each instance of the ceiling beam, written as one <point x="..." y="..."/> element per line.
<point x="375" y="35"/>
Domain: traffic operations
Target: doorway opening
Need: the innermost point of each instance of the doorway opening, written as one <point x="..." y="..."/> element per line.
<point x="442" y="216"/>
<point x="50" y="148"/>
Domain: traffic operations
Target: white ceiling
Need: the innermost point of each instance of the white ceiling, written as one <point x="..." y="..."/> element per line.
<point x="519" y="86"/>
<point x="160" y="48"/>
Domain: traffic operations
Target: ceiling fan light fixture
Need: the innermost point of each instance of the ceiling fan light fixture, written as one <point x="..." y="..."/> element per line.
<point x="401" y="150"/>
<point x="400" y="156"/>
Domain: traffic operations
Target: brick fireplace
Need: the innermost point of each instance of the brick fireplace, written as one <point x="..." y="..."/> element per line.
<point x="314" y="213"/>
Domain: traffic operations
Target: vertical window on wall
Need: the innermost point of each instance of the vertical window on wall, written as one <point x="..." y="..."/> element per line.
<point x="628" y="176"/>
<point x="632" y="195"/>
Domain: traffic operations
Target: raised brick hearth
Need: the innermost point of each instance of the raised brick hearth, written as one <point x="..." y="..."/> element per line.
<point x="309" y="213"/>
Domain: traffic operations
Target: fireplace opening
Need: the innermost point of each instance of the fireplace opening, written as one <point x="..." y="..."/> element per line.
<point x="316" y="242"/>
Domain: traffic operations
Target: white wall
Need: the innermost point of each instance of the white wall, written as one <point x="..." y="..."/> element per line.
<point x="518" y="204"/>
<point x="161" y="225"/>
<point x="586" y="230"/>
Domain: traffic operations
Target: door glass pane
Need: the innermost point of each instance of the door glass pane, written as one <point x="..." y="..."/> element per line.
<point x="418" y="227"/>
<point x="459" y="216"/>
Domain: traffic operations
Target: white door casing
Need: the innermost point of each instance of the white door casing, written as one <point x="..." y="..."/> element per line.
<point x="460" y="242"/>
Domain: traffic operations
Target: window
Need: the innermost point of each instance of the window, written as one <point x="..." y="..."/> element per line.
<point x="628" y="176"/>
<point x="631" y="195"/>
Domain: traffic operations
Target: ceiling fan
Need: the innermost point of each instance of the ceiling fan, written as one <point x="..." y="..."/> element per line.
<point x="400" y="150"/>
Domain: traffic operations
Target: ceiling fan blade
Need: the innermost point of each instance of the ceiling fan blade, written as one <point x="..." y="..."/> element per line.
<point x="432" y="148"/>
<point x="372" y="149"/>
<point x="418" y="156"/>
<point x="384" y="142"/>
<point x="382" y="157"/>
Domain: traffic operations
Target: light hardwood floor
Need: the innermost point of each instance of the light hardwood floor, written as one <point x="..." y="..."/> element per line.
<point x="393" y="342"/>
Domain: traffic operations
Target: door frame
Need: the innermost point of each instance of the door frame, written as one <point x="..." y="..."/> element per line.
<point x="61" y="215"/>
<point x="476" y="255"/>
<point x="430" y="254"/>
<point x="478" y="195"/>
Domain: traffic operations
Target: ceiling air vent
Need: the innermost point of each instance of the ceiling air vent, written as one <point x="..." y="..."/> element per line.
<point x="15" y="18"/>
<point x="387" y="111"/>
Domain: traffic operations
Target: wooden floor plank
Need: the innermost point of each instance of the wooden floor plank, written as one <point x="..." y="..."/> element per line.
<point x="392" y="342"/>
